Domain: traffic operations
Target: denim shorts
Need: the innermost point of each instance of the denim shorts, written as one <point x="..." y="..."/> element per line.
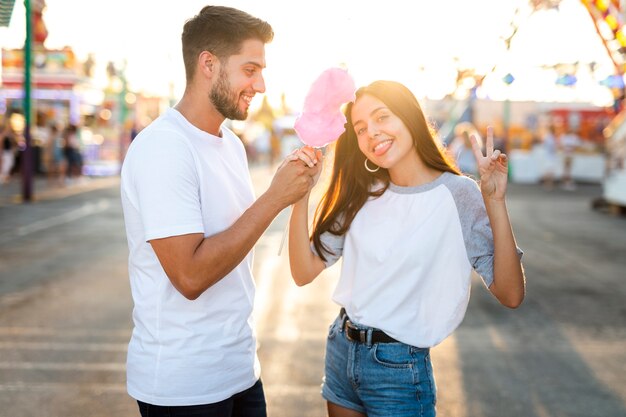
<point x="380" y="379"/>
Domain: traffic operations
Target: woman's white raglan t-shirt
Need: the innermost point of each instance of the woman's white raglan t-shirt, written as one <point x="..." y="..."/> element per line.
<point x="176" y="180"/>
<point x="408" y="256"/>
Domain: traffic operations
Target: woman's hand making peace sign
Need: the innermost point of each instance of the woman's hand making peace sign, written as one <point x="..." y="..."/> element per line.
<point x="493" y="168"/>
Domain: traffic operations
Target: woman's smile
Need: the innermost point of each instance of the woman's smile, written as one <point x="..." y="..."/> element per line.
<point x="382" y="147"/>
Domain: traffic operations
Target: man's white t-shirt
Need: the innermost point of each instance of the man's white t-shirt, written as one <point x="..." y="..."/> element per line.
<point x="176" y="180"/>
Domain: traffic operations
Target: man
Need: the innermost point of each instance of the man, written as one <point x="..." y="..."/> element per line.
<point x="191" y="222"/>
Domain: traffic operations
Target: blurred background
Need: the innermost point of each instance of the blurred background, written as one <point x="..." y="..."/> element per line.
<point x="548" y="76"/>
<point x="523" y="67"/>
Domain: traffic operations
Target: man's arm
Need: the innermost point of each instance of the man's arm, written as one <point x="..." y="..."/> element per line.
<point x="194" y="263"/>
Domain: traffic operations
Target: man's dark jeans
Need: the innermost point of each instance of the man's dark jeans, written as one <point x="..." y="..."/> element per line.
<point x="248" y="403"/>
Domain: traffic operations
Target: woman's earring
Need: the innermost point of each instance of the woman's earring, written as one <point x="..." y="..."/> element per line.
<point x="370" y="169"/>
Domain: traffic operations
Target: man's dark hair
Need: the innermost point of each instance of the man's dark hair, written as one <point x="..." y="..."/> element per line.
<point x="220" y="30"/>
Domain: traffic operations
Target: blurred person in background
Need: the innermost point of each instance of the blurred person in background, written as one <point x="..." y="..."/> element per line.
<point x="72" y="152"/>
<point x="410" y="230"/>
<point x="9" y="147"/>
<point x="57" y="162"/>
<point x="461" y="148"/>
<point x="191" y="223"/>
<point x="569" y="143"/>
<point x="550" y="145"/>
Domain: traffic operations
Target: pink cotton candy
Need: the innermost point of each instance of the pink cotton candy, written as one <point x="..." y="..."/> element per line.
<point x="322" y="121"/>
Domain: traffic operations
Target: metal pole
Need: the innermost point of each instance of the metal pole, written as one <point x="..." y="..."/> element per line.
<point x="27" y="155"/>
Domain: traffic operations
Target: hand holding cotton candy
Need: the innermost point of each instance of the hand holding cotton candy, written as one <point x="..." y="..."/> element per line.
<point x="321" y="121"/>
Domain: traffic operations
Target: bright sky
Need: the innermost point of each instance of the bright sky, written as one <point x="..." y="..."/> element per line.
<point x="419" y="43"/>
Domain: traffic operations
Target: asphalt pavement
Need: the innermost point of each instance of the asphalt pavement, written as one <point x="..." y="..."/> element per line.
<point x="43" y="189"/>
<point x="65" y="312"/>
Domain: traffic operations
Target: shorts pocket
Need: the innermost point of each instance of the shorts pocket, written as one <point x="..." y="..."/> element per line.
<point x="393" y="355"/>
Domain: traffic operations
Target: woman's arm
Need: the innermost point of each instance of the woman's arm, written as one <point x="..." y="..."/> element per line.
<point x="509" y="284"/>
<point x="304" y="263"/>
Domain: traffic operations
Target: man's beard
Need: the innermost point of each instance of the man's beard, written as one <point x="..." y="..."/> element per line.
<point x="226" y="102"/>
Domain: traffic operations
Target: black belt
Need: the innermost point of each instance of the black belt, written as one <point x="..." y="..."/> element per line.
<point x="355" y="334"/>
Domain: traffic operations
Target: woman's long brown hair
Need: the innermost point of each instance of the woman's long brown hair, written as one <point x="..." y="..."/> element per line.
<point x="350" y="184"/>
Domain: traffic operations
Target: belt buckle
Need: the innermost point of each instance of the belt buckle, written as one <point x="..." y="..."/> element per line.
<point x="346" y="329"/>
<point x="362" y="332"/>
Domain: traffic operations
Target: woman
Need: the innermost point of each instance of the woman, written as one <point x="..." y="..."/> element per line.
<point x="410" y="230"/>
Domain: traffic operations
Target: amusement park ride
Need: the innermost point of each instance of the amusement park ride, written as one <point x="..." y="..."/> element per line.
<point x="608" y="18"/>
